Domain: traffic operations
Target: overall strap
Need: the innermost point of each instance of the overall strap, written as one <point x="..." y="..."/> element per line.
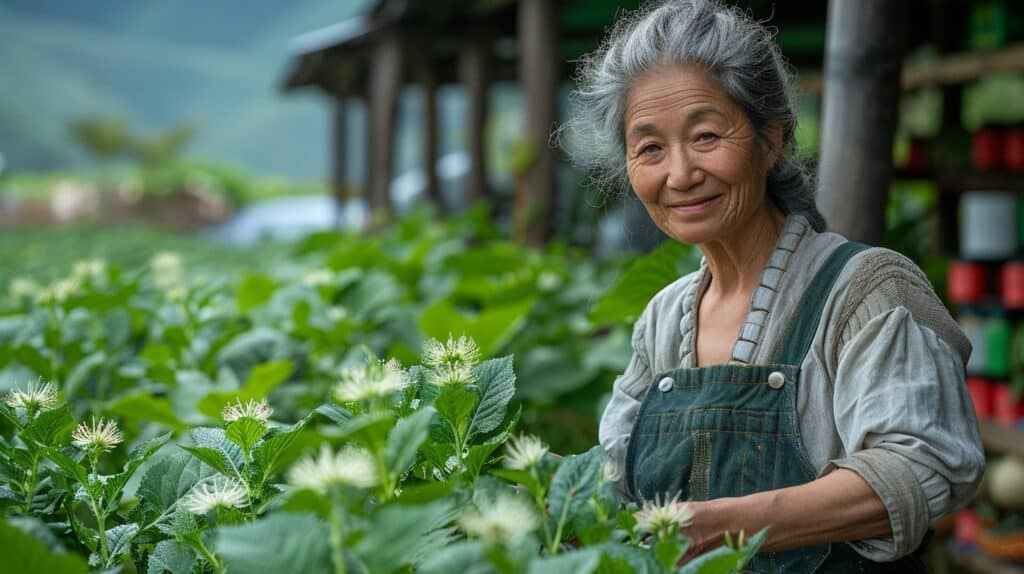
<point x="805" y="320"/>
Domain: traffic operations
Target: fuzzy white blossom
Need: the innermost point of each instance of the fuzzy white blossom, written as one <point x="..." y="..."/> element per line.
<point x="36" y="397"/>
<point x="258" y="410"/>
<point x="370" y="381"/>
<point x="168" y="270"/>
<point x="22" y="288"/>
<point x="663" y="518"/>
<point x="101" y="435"/>
<point x="221" y="492"/>
<point x="337" y="313"/>
<point x="91" y="269"/>
<point x="452" y="375"/>
<point x="505" y="520"/>
<point x="456" y="352"/>
<point x="549" y="281"/>
<point x="524" y="452"/>
<point x="60" y="290"/>
<point x="318" y="277"/>
<point x="350" y="466"/>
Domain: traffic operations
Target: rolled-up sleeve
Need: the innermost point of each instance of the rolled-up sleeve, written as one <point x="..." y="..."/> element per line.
<point x="906" y="420"/>
<point x="624" y="405"/>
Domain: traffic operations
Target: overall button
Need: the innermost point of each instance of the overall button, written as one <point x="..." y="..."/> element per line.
<point x="665" y="385"/>
<point x="776" y="380"/>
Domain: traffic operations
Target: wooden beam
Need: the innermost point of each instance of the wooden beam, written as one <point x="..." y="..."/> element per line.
<point x="385" y="87"/>
<point x="339" y="154"/>
<point x="539" y="65"/>
<point x="428" y="83"/>
<point x="473" y="75"/>
<point x="862" y="67"/>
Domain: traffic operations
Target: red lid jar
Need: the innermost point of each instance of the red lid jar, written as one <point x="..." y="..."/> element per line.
<point x="1011" y="285"/>
<point x="966" y="281"/>
<point x="986" y="149"/>
<point x="1013" y="149"/>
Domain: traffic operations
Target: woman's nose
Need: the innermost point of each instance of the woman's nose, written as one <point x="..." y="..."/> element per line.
<point x="683" y="173"/>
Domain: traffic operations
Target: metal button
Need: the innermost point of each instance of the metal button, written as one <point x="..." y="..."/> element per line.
<point x="776" y="380"/>
<point x="665" y="385"/>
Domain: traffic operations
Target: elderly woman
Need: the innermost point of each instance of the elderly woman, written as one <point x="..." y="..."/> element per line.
<point x="795" y="379"/>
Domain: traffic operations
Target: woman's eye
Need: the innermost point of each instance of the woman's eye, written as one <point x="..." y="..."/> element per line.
<point x="650" y="149"/>
<point x="705" y="137"/>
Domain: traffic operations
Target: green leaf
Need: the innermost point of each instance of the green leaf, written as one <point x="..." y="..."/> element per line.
<point x="721" y="560"/>
<point x="82" y="371"/>
<point x="211" y="456"/>
<point x="283" y="543"/>
<point x="171" y="557"/>
<point x="456" y="405"/>
<point x="491" y="329"/>
<point x="368" y="429"/>
<point x="668" y="552"/>
<point x="119" y="539"/>
<point x="399" y="535"/>
<point x="245" y="432"/>
<point x="139" y="455"/>
<point x="253" y="291"/>
<point x="262" y="379"/>
<point x="213" y="438"/>
<point x="168" y="480"/>
<point x="497" y="384"/>
<point x="268" y="453"/>
<point x="626" y="299"/>
<point x="463" y="557"/>
<point x="145" y="407"/>
<point x="50" y="428"/>
<point x="579" y="562"/>
<point x="23" y="553"/>
<point x="405" y="439"/>
<point x="339" y="415"/>
<point x="67" y="464"/>
<point x="626" y="558"/>
<point x="575" y="481"/>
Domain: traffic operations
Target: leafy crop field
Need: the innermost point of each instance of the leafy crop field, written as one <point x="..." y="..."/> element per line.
<point x="381" y="403"/>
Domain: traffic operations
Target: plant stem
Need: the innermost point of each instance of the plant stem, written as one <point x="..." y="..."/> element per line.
<point x="553" y="549"/>
<point x="218" y="568"/>
<point x="30" y="484"/>
<point x="100" y="519"/>
<point x="337" y="533"/>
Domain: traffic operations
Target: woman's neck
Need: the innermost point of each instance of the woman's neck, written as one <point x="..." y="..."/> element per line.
<point x="736" y="263"/>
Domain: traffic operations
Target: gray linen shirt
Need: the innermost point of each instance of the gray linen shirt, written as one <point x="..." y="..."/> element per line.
<point x="881" y="390"/>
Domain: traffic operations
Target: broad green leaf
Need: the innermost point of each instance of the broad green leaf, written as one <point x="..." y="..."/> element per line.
<point x="575" y="481"/>
<point x="213" y="438"/>
<point x="368" y="429"/>
<point x="491" y="328"/>
<point x="139" y="455"/>
<point x="67" y="464"/>
<point x="245" y="432"/>
<point x="37" y="529"/>
<point x="146" y="407"/>
<point x="211" y="456"/>
<point x="262" y="379"/>
<point x="119" y="539"/>
<point x="253" y="291"/>
<point x="399" y="535"/>
<point x="582" y="561"/>
<point x="268" y="453"/>
<point x="82" y="371"/>
<point x="628" y="558"/>
<point x="405" y="439"/>
<point x="456" y="405"/>
<point x="257" y="346"/>
<point x="50" y="428"/>
<point x="668" y="552"/>
<point x="339" y="415"/>
<point x="169" y="479"/>
<point x="462" y="557"/>
<point x="283" y="543"/>
<point x="171" y="557"/>
<point x="426" y="492"/>
<point x="497" y="384"/>
<point x="721" y="560"/>
<point x="626" y="299"/>
<point x="23" y="553"/>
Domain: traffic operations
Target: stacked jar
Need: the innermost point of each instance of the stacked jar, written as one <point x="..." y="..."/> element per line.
<point x="987" y="286"/>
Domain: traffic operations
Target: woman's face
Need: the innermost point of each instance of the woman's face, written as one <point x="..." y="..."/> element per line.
<point x="692" y="156"/>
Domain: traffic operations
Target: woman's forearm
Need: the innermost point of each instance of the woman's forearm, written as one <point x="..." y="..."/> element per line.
<point x="837" y="507"/>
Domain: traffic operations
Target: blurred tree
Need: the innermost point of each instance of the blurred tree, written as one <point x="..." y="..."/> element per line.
<point x="111" y="137"/>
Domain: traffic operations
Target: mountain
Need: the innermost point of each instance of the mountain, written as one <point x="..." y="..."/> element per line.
<point x="158" y="63"/>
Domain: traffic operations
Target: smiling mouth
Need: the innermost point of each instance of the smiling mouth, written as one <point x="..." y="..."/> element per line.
<point x="692" y="206"/>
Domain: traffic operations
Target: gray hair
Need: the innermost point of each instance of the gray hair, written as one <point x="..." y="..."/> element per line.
<point x="739" y="54"/>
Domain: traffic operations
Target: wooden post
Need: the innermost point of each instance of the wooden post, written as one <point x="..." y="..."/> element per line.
<point x="428" y="82"/>
<point x="862" y="87"/>
<point x="473" y="77"/>
<point x="385" y="86"/>
<point x="339" y="154"/>
<point x="538" y="61"/>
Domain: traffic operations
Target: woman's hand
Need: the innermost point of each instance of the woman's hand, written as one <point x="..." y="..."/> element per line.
<point x="837" y="507"/>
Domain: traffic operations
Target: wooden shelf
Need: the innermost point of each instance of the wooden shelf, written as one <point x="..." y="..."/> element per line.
<point x="1001" y="438"/>
<point x="956" y="68"/>
<point x="980" y="563"/>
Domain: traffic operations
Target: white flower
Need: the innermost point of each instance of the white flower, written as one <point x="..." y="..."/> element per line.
<point x="60" y="290"/>
<point x="453" y="375"/>
<point x="318" y="277"/>
<point x="663" y="518"/>
<point x="504" y="520"/>
<point x="549" y="281"/>
<point x="258" y="410"/>
<point x="610" y="471"/>
<point x="168" y="270"/>
<point x="22" y="288"/>
<point x="524" y="452"/>
<point x="101" y="435"/>
<point x="376" y="379"/>
<point x="36" y="397"/>
<point x="336" y="314"/>
<point x="461" y="352"/>
<point x="221" y="492"/>
<point x="351" y="466"/>
<point x="89" y="269"/>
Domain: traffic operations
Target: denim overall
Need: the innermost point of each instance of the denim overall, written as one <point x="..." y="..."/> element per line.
<point x="730" y="430"/>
